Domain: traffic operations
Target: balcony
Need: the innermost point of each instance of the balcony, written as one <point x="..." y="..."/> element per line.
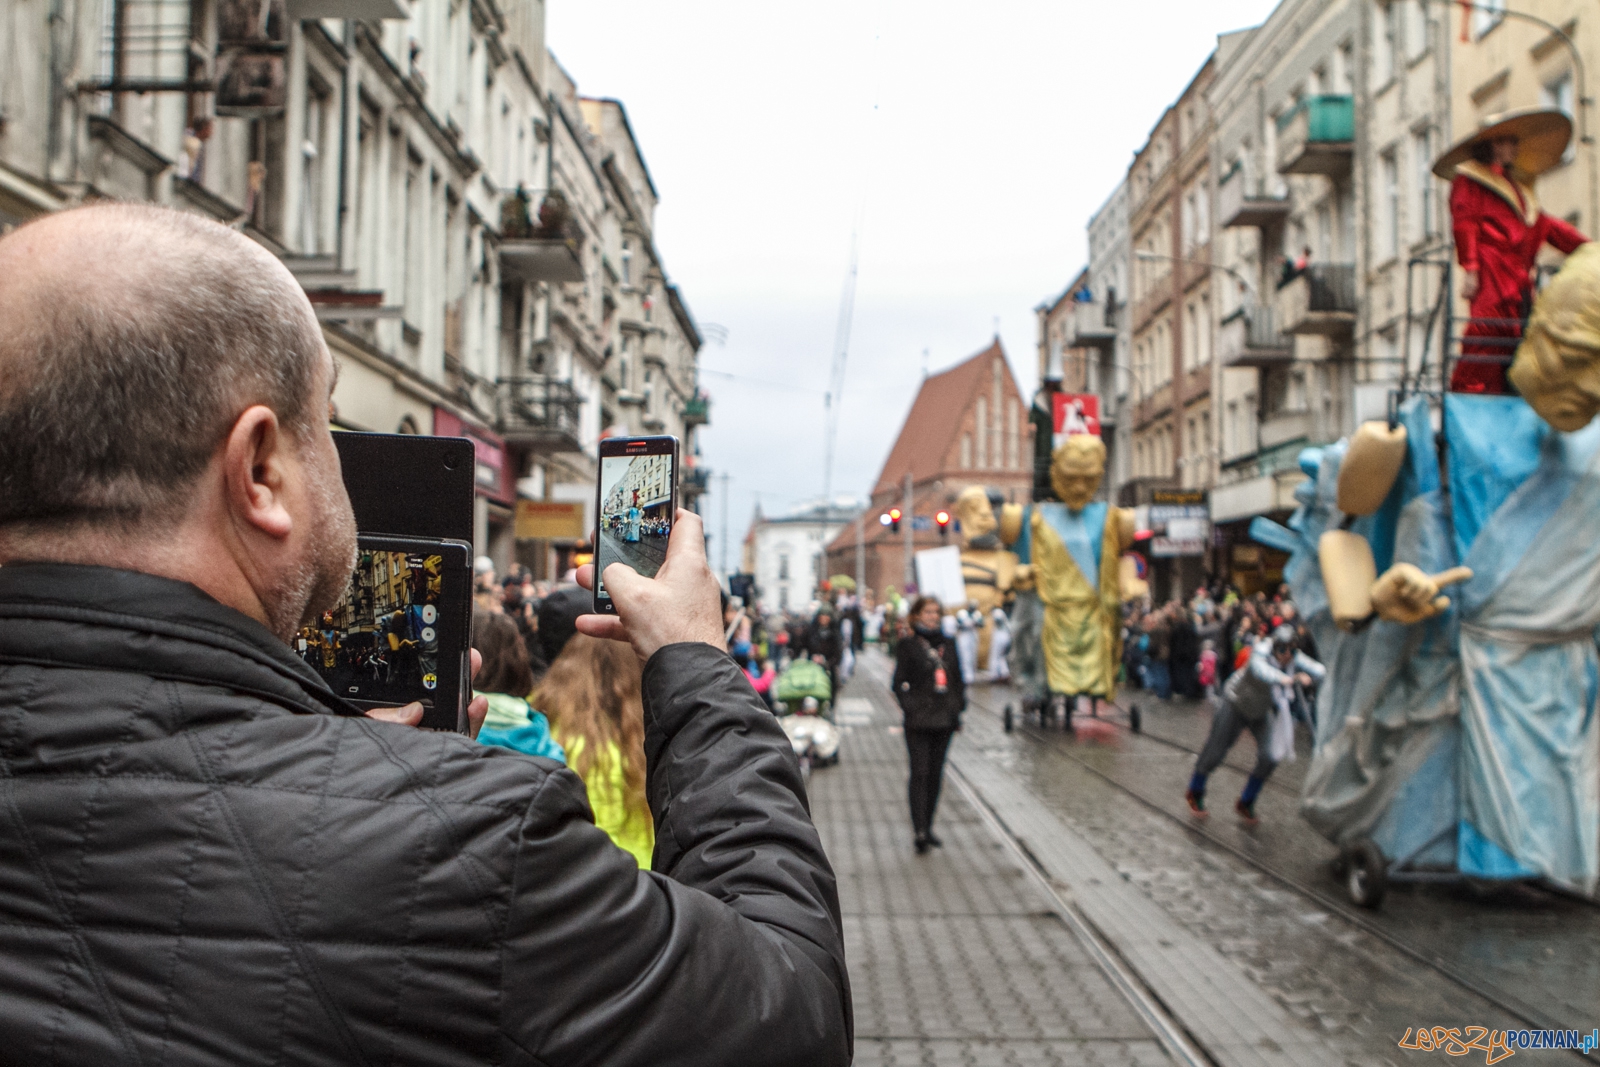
<point x="540" y="414"/>
<point x="361" y="10"/>
<point x="1285" y="428"/>
<point x="697" y="411"/>
<point x="1250" y="338"/>
<point x="541" y="259"/>
<point x="1320" y="300"/>
<point x="1318" y="137"/>
<point x="696" y="480"/>
<point x="1090" y="328"/>
<point x="1240" y="205"/>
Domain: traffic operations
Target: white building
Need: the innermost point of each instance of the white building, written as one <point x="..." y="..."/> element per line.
<point x="397" y="157"/>
<point x="787" y="555"/>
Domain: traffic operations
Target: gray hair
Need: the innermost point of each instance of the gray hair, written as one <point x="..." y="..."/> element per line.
<point x="119" y="380"/>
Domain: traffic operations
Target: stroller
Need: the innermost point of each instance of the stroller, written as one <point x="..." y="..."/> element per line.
<point x="815" y="739"/>
<point x="802" y="679"/>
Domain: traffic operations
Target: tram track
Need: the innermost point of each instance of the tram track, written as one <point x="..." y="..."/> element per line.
<point x="1052" y="744"/>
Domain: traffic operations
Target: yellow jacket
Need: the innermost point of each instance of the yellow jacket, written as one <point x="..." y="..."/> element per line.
<point x="607" y="793"/>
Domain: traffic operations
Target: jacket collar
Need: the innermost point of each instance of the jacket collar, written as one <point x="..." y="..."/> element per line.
<point x="1503" y="186"/>
<point x="101" y="618"/>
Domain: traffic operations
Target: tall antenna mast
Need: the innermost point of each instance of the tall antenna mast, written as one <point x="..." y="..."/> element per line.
<point x="841" y="350"/>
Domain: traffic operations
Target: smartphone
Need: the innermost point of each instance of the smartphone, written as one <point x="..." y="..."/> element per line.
<point x="402" y="631"/>
<point x="636" y="499"/>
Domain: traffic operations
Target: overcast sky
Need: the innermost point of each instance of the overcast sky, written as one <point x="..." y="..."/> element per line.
<point x="971" y="141"/>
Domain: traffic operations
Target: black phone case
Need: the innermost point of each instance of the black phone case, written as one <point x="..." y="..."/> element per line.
<point x="407" y="485"/>
<point x="410" y="485"/>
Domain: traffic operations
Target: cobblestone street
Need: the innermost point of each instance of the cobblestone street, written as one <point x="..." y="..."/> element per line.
<point x="962" y="957"/>
<point x="955" y="957"/>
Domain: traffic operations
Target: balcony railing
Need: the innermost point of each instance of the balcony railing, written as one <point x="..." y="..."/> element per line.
<point x="696" y="480"/>
<point x="540" y="414"/>
<point x="697" y="411"/>
<point x="1318" y="137"/>
<point x="1091" y="328"/>
<point x="1250" y="338"/>
<point x="1319" y="300"/>
<point x="1243" y="203"/>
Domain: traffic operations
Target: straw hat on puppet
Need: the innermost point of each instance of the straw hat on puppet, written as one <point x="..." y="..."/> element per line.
<point x="1542" y="135"/>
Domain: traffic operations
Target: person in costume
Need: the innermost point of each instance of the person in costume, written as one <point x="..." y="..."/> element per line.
<point x="988" y="570"/>
<point x="1499" y="230"/>
<point x="1075" y="546"/>
<point x="1462" y="732"/>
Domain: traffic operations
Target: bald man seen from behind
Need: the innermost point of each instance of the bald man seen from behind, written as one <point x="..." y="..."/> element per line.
<point x="206" y="857"/>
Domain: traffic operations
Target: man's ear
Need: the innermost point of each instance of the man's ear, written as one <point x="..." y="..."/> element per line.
<point x="255" y="471"/>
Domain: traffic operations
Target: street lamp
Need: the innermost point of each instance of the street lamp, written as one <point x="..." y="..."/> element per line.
<point x="1240" y="278"/>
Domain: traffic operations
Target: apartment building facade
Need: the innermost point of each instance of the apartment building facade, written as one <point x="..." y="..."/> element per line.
<point x="1171" y="316"/>
<point x="428" y="173"/>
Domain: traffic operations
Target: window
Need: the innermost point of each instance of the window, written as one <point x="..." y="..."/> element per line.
<point x="1389" y="202"/>
<point x="317" y="120"/>
<point x="1557" y="93"/>
<point x="627" y="264"/>
<point x="1384" y="32"/>
<point x="1202" y="214"/>
<point x="966" y="451"/>
<point x="783" y="566"/>
<point x="1486" y="15"/>
<point x="983" y="432"/>
<point x="1319" y="79"/>
<point x="1344" y="69"/>
<point x="1422" y="163"/>
<point x="1416" y="27"/>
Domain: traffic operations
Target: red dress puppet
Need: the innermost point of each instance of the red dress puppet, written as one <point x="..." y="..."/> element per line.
<point x="1499" y="230"/>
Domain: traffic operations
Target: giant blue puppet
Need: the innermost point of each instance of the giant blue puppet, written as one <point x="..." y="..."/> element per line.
<point x="1461" y="733"/>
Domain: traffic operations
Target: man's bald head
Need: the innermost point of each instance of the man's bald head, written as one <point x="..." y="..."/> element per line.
<point x="133" y="338"/>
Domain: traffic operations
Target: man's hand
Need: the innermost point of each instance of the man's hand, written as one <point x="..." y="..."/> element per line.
<point x="1469" y="284"/>
<point x="680" y="604"/>
<point x="1303" y="679"/>
<point x="1405" y="595"/>
<point x="411" y="714"/>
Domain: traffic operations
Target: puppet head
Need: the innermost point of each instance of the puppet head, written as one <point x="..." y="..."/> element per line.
<point x="1076" y="469"/>
<point x="976" y="514"/>
<point x="1557" y="369"/>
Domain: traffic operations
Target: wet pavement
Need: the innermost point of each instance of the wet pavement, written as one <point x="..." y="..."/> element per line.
<point x="644" y="555"/>
<point x="1264" y="898"/>
<point x="955" y="957"/>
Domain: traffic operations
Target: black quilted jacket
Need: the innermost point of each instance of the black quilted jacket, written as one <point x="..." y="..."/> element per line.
<point x="205" y="860"/>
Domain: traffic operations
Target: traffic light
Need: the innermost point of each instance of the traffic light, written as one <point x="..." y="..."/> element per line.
<point x="943" y="519"/>
<point x="894" y="519"/>
<point x="884" y="519"/>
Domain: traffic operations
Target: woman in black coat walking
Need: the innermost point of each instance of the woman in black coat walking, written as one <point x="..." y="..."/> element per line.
<point x="932" y="694"/>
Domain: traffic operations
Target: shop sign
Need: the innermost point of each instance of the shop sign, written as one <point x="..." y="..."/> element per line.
<point x="552" y="520"/>
<point x="1180" y="522"/>
<point x="1075" y="413"/>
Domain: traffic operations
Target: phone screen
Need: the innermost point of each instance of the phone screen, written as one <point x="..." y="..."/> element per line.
<point x="636" y="505"/>
<point x="380" y="643"/>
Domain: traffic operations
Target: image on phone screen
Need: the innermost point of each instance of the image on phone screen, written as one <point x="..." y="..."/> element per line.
<point x="381" y="642"/>
<point x="635" y="513"/>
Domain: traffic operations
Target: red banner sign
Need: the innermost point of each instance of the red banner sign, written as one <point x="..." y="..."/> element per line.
<point x="1077" y="413"/>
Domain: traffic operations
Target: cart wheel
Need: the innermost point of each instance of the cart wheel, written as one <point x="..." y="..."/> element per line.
<point x="1135" y="719"/>
<point x="1366" y="873"/>
<point x="1009" y="723"/>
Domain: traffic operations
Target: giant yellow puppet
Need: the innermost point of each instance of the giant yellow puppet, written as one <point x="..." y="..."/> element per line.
<point x="1075" y="547"/>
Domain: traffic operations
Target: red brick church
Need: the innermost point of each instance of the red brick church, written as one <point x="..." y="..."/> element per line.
<point x="968" y="425"/>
